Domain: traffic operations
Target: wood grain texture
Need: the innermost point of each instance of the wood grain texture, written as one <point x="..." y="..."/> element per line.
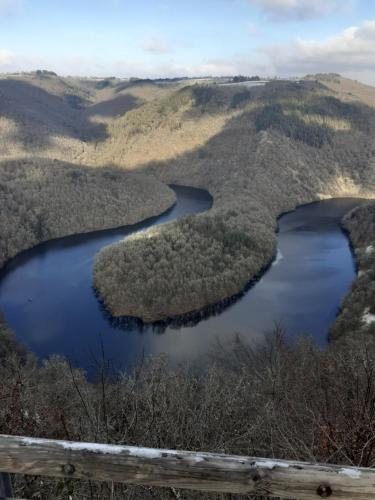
<point x="184" y="469"/>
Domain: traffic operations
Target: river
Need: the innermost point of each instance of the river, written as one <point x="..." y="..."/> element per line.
<point x="47" y="297"/>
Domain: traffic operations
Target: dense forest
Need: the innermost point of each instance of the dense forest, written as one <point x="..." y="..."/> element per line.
<point x="41" y="200"/>
<point x="358" y="309"/>
<point x="150" y="264"/>
<point x="259" y="151"/>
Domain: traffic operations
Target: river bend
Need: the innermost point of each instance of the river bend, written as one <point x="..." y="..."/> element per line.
<point x="47" y="297"/>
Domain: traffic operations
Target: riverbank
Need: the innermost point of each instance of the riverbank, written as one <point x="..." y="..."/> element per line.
<point x="47" y="296"/>
<point x="43" y="200"/>
<point x="357" y="312"/>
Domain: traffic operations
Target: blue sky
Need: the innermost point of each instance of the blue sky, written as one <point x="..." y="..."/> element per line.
<point x="150" y="38"/>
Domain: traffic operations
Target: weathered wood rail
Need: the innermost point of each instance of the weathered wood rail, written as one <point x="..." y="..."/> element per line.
<point x="184" y="469"/>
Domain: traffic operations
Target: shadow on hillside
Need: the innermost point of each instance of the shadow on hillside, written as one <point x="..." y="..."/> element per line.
<point x="39" y="115"/>
<point x="136" y="83"/>
<point x="276" y="110"/>
<point x="114" y="107"/>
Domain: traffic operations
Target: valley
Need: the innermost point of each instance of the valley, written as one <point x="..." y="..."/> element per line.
<point x="167" y="246"/>
<point x="260" y="151"/>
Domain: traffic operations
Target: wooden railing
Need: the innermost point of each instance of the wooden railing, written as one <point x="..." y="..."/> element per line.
<point x="184" y="469"/>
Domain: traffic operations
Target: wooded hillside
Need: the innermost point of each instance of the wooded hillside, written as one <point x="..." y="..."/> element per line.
<point x="357" y="313"/>
<point x="42" y="200"/>
<point x="286" y="144"/>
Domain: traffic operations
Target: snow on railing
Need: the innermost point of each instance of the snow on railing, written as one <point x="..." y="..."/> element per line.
<point x="182" y="469"/>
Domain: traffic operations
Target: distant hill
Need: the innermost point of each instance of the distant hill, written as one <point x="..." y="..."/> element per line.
<point x="346" y="89"/>
<point x="44" y="113"/>
<point x="35" y="114"/>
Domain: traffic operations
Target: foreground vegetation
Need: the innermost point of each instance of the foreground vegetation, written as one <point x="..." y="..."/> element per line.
<point x="276" y="400"/>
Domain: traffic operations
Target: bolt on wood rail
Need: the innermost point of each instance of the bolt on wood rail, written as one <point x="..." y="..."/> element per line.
<point x="184" y="469"/>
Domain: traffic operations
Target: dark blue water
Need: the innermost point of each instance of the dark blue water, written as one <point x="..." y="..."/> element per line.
<point x="47" y="298"/>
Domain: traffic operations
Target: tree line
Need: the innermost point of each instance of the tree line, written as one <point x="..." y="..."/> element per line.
<point x="276" y="400"/>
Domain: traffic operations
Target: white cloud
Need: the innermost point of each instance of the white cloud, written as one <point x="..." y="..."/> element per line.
<point x="233" y="66"/>
<point x="351" y="52"/>
<point x="156" y="45"/>
<point x="297" y="9"/>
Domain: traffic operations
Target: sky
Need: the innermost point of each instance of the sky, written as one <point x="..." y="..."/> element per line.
<point x="170" y="38"/>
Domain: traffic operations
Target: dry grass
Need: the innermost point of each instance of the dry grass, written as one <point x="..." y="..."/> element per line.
<point x="348" y="90"/>
<point x="334" y="124"/>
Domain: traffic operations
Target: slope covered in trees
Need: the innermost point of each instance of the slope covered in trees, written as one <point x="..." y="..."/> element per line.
<point x="41" y="200"/>
<point x="287" y="144"/>
<point x="42" y="114"/>
<point x="357" y="313"/>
